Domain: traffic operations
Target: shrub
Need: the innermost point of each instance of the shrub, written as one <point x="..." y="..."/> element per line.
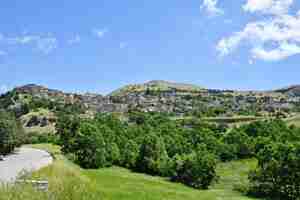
<point x="38" y="138"/>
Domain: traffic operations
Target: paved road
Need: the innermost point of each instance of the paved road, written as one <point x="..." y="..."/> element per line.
<point x="24" y="158"/>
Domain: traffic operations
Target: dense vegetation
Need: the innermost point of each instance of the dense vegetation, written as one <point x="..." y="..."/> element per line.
<point x="278" y="173"/>
<point x="69" y="182"/>
<point x="10" y="133"/>
<point x="187" y="151"/>
<point x="154" y="144"/>
<point x="146" y="143"/>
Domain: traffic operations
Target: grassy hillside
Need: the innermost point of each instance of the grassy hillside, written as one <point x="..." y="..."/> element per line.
<point x="294" y="120"/>
<point x="69" y="182"/>
<point x="156" y="86"/>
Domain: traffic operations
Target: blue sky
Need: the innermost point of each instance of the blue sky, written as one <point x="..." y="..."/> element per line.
<point x="100" y="45"/>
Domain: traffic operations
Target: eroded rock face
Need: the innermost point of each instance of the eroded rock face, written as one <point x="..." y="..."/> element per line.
<point x="40" y="121"/>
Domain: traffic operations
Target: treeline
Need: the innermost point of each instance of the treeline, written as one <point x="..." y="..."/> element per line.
<point x="146" y="143"/>
<point x="11" y="133"/>
<point x="152" y="143"/>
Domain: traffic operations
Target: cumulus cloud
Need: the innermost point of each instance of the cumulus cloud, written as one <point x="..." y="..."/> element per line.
<point x="284" y="51"/>
<point x="273" y="39"/>
<point x="100" y="32"/>
<point x="210" y="7"/>
<point x="275" y="7"/>
<point x="74" y="40"/>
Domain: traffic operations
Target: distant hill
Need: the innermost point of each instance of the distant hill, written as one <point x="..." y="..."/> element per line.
<point x="179" y="99"/>
<point x="293" y="90"/>
<point x="156" y="85"/>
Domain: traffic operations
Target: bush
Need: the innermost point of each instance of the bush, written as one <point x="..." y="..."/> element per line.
<point x="38" y="138"/>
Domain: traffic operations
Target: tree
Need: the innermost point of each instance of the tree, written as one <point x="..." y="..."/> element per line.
<point x="112" y="153"/>
<point x="196" y="170"/>
<point x="152" y="155"/>
<point x="129" y="154"/>
<point x="278" y="172"/>
<point x="67" y="126"/>
<point x="10" y="133"/>
<point x="89" y="148"/>
<point x="241" y="143"/>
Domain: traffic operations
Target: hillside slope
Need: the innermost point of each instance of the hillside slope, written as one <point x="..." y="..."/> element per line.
<point x="156" y="85"/>
<point x="178" y="99"/>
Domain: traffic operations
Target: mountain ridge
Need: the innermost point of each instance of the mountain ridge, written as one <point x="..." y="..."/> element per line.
<point x="177" y="99"/>
<point x="155" y="84"/>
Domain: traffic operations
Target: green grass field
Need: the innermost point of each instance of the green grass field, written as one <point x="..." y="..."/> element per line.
<point x="69" y="182"/>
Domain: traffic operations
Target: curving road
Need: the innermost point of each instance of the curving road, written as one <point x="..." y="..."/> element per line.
<point x="24" y="159"/>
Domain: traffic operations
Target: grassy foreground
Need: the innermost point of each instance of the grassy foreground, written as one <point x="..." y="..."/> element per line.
<point x="69" y="182"/>
<point x="294" y="120"/>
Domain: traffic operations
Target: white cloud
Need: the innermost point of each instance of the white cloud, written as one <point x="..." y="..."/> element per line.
<point x="274" y="7"/>
<point x="210" y="7"/>
<point x="226" y="45"/>
<point x="284" y="51"/>
<point x="100" y="32"/>
<point x="74" y="40"/>
<point x="275" y="38"/>
<point x="3" y="89"/>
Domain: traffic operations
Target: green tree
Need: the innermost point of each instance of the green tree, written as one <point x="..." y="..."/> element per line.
<point x="152" y="155"/>
<point x="240" y="143"/>
<point x="278" y="173"/>
<point x="10" y="133"/>
<point x="197" y="169"/>
<point x="129" y="154"/>
<point x="89" y="148"/>
<point x="112" y="153"/>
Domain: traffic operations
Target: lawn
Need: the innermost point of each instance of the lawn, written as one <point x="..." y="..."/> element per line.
<point x="69" y="182"/>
